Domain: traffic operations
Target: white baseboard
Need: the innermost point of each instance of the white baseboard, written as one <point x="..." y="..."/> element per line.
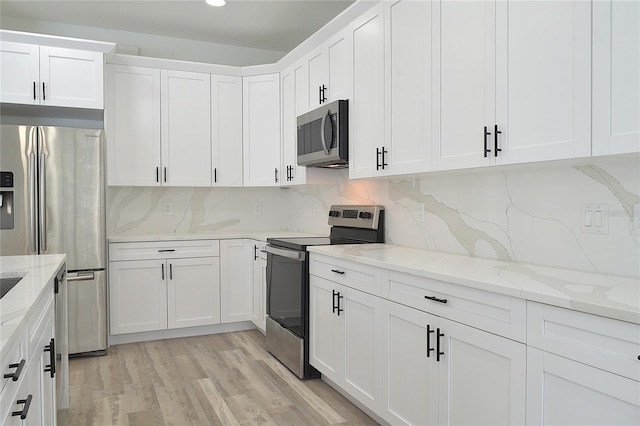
<point x="119" y="339"/>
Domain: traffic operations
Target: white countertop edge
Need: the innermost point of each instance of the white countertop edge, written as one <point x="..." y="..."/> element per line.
<point x="224" y="235"/>
<point x="16" y="306"/>
<point x="493" y="276"/>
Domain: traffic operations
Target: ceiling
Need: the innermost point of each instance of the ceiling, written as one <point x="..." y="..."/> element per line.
<point x="262" y="24"/>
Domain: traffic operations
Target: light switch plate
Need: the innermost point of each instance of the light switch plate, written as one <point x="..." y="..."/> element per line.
<point x="168" y="209"/>
<point x="636" y="219"/>
<point x="421" y="212"/>
<point x="257" y="208"/>
<point x="594" y="218"/>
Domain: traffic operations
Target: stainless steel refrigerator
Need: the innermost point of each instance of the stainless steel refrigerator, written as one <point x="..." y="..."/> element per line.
<point x="52" y="200"/>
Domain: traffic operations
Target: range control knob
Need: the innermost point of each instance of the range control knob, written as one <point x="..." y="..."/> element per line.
<point x="334" y="213"/>
<point x="365" y="215"/>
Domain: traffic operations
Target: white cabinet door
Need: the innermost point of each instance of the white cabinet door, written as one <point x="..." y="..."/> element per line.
<point x="48" y="383"/>
<point x="616" y="85"/>
<point x="544" y="80"/>
<point x="133" y="126"/>
<point x="235" y="281"/>
<point x="366" y="105"/>
<point x="193" y="292"/>
<point x="137" y="296"/>
<point x="71" y="78"/>
<point x="324" y="329"/>
<point x="294" y="98"/>
<point x="226" y="130"/>
<point x="464" y="73"/>
<point x="361" y="343"/>
<point x="338" y="57"/>
<point x="561" y="391"/>
<point x="481" y="378"/>
<point x="318" y="67"/>
<point x="19" y="73"/>
<point x="408" y="98"/>
<point x="259" y="309"/>
<point x="261" y="130"/>
<point x="186" y="128"/>
<point x="409" y="370"/>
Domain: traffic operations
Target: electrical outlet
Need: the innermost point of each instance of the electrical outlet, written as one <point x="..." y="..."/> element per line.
<point x="257" y="208"/>
<point x="421" y="212"/>
<point x="636" y="219"/>
<point x="168" y="209"/>
<point x="316" y="209"/>
<point x="594" y="218"/>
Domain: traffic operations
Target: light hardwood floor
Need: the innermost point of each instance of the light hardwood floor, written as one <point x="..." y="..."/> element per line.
<point x="206" y="380"/>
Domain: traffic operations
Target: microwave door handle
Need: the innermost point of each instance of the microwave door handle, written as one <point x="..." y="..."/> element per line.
<point x="322" y="139"/>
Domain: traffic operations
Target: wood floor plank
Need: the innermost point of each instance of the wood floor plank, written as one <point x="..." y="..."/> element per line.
<point x="249" y="412"/>
<point x="110" y="410"/>
<point x="176" y="407"/>
<point x="146" y="418"/>
<point x="218" y="403"/>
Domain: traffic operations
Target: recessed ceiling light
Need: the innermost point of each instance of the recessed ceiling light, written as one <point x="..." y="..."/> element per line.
<point x="216" y="3"/>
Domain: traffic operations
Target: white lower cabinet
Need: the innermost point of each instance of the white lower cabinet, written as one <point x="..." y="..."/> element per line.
<point x="158" y="292"/>
<point x="345" y="346"/>
<point x="437" y="371"/>
<point x="235" y="281"/>
<point x="259" y="286"/>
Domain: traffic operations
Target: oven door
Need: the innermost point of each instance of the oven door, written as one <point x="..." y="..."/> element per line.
<point x="286" y="281"/>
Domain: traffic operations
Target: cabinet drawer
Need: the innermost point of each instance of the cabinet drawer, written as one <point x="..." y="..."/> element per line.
<point x="163" y="249"/>
<point x="495" y="313"/>
<point x="350" y="274"/>
<point x="601" y="342"/>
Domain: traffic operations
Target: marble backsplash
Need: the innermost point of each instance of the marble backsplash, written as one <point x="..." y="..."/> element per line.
<point x="526" y="213"/>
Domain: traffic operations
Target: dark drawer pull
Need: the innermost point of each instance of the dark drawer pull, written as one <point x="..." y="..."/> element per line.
<point x="438" y="353"/>
<point x="337" y="271"/>
<point x="166" y="250"/>
<point x="25" y="409"/>
<point x="16" y="374"/>
<point x="435" y="299"/>
<point x="429" y="348"/>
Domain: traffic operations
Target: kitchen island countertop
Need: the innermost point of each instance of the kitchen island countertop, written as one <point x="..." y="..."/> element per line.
<point x="595" y="293"/>
<point x="15" y="306"/>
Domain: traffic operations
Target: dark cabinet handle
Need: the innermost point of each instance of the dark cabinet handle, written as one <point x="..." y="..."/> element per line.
<point x="486" y="134"/>
<point x="339" y="309"/>
<point x="163" y="271"/>
<point x="333" y="299"/>
<point x="171" y="271"/>
<point x="319" y="95"/>
<point x="166" y="250"/>
<point x="51" y="348"/>
<point x="44" y="94"/>
<point x="276" y="174"/>
<point x="215" y="174"/>
<point x="377" y="158"/>
<point x="435" y="299"/>
<point x="16" y="374"/>
<point x="255" y="252"/>
<point x="323" y="96"/>
<point x="165" y="174"/>
<point x="337" y="271"/>
<point x="157" y="174"/>
<point x="438" y="353"/>
<point x="429" y="348"/>
<point x="384" y="151"/>
<point x="34" y="90"/>
<point x="25" y="409"/>
<point x="496" y="132"/>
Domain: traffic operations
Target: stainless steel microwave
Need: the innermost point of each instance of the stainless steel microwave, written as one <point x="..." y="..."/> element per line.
<point x="323" y="136"/>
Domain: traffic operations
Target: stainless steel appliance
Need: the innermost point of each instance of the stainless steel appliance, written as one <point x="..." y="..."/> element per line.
<point x="52" y="187"/>
<point x="288" y="281"/>
<point x="323" y="136"/>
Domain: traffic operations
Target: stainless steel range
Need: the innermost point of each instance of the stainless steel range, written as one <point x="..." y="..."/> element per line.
<point x="288" y="281"/>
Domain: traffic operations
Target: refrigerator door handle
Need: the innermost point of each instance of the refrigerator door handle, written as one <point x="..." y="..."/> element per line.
<point x="81" y="276"/>
<point x="43" y="203"/>
<point x="32" y="201"/>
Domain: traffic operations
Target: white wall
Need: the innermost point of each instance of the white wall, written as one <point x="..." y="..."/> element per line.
<point x="525" y="213"/>
<point x="152" y="45"/>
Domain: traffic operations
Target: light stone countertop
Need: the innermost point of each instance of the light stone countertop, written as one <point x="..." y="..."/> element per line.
<point x="15" y="306"/>
<point x="600" y="294"/>
<point x="223" y="235"/>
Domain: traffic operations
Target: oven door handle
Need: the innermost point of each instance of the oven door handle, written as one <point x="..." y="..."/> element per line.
<point x="298" y="256"/>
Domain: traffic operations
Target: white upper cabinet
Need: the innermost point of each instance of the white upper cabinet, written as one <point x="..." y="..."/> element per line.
<point x="40" y="75"/>
<point x="408" y="98"/>
<point x="132" y="125"/>
<point x="543" y="76"/>
<point x="616" y="81"/>
<point x="294" y="98"/>
<point x="366" y="104"/>
<point x="226" y="130"/>
<point x="514" y="82"/>
<point x="328" y="71"/>
<point x="261" y="130"/>
<point x="186" y="128"/>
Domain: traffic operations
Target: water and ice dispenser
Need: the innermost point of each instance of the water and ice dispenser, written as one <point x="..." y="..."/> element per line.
<point x="6" y="200"/>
